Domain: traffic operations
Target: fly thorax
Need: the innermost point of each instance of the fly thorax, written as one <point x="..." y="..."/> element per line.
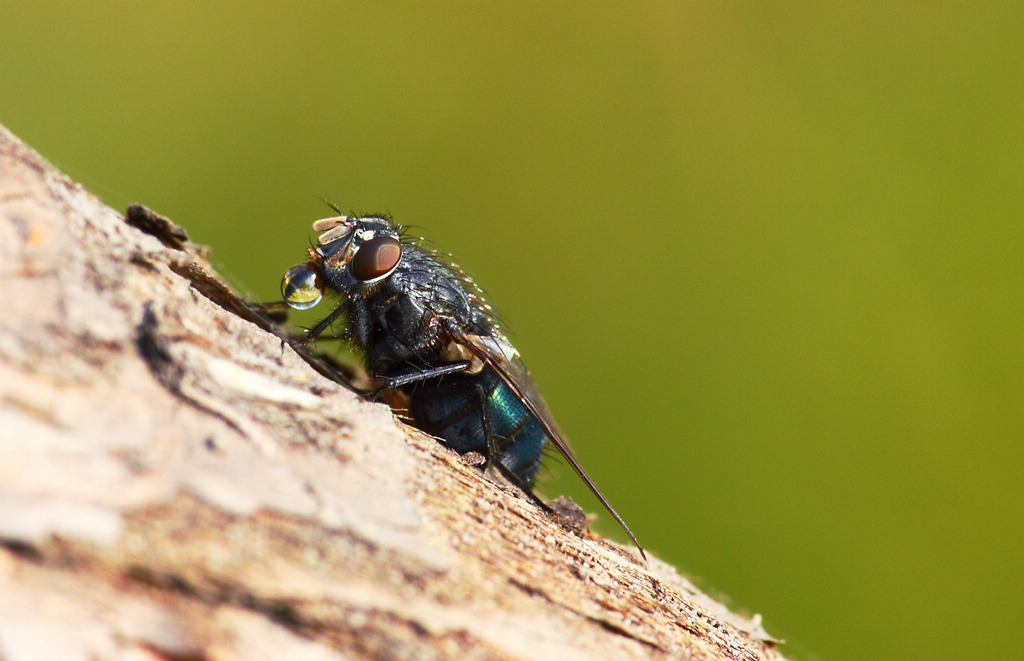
<point x="401" y="329"/>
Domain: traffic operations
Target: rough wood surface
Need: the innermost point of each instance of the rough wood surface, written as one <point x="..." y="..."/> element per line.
<point x="175" y="483"/>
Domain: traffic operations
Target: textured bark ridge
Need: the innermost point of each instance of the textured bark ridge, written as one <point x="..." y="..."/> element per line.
<point x="176" y="483"/>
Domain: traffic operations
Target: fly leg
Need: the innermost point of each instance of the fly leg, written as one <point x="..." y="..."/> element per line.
<point x="323" y="325"/>
<point x="393" y="382"/>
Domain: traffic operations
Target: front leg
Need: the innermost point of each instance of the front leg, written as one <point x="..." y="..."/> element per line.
<point x="324" y="324"/>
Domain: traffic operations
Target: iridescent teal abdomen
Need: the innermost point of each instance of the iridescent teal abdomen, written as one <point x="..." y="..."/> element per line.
<point x="451" y="410"/>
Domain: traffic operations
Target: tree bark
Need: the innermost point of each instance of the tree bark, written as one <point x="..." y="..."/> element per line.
<point x="178" y="483"/>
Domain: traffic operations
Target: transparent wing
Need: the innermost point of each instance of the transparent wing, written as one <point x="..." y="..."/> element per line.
<point x="504" y="359"/>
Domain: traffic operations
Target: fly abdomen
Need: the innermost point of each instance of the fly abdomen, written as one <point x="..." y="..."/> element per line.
<point x="455" y="410"/>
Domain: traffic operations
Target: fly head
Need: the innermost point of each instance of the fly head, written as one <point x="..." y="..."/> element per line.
<point x="352" y="256"/>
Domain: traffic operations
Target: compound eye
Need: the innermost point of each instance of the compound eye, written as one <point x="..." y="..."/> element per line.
<point x="301" y="286"/>
<point x="376" y="258"/>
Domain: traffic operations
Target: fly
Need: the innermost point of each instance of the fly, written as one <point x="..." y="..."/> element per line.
<point x="426" y="330"/>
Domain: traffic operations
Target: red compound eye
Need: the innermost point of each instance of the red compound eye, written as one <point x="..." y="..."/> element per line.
<point x="377" y="257"/>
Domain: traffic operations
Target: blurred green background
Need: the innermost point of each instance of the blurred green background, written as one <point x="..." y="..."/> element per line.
<point x="765" y="262"/>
